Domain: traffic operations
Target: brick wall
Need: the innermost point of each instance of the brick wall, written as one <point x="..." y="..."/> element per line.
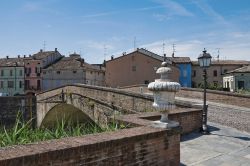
<point x="217" y="96"/>
<point x="9" y="107"/>
<point x="143" y="145"/>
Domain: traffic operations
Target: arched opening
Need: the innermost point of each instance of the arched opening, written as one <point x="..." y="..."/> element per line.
<point x="67" y="113"/>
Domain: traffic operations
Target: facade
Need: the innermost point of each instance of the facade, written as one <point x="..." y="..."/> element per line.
<point x="137" y="67"/>
<point x="33" y="69"/>
<point x="11" y="76"/>
<point x="238" y="79"/>
<point x="215" y="72"/>
<point x="95" y="75"/>
<point x="185" y="67"/>
<point x="68" y="70"/>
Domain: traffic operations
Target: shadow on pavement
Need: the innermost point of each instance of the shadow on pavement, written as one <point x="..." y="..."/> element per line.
<point x="197" y="134"/>
<point x="242" y="138"/>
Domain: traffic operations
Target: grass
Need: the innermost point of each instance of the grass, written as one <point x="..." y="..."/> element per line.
<point x="23" y="133"/>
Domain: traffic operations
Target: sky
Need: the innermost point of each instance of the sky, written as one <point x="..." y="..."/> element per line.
<point x="97" y="29"/>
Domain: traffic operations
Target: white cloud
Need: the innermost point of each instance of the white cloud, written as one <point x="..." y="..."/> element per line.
<point x="174" y="8"/>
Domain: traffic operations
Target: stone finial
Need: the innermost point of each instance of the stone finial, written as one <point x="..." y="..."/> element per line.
<point x="164" y="95"/>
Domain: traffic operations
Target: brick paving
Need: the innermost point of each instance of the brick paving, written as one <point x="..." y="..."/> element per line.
<point x="225" y="146"/>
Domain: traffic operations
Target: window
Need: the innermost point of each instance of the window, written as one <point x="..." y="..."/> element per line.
<point x="91" y="72"/>
<point x="58" y="72"/>
<point x="20" y="84"/>
<point x="194" y="73"/>
<point x="241" y="85"/>
<point x="215" y="73"/>
<point x="2" y="72"/>
<point x="133" y="58"/>
<point x="11" y="72"/>
<point x="184" y="73"/>
<point x="74" y="71"/>
<point x="146" y="82"/>
<point x="10" y="84"/>
<point x="44" y="72"/>
<point x="20" y="72"/>
<point x="225" y="70"/>
<point x="27" y="84"/>
<point x="133" y="68"/>
<point x="1" y="84"/>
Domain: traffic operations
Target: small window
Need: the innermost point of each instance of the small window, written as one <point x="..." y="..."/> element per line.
<point x="11" y="72"/>
<point x="184" y="73"/>
<point x="28" y="63"/>
<point x="91" y="72"/>
<point x="38" y="63"/>
<point x="58" y="72"/>
<point x="10" y="84"/>
<point x="44" y="72"/>
<point x="194" y="73"/>
<point x="2" y="72"/>
<point x="133" y="68"/>
<point x="74" y="71"/>
<point x="133" y="58"/>
<point x="1" y="85"/>
<point x="20" y="84"/>
<point x="215" y="73"/>
<point x="20" y="72"/>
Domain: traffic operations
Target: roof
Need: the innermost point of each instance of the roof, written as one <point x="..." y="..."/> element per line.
<point x="43" y="54"/>
<point x="143" y="51"/>
<point x="11" y="62"/>
<point x="226" y="62"/>
<point x="179" y="59"/>
<point x="244" y="69"/>
<point x="71" y="63"/>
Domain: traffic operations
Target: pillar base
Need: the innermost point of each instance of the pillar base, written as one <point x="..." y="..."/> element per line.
<point x="165" y="124"/>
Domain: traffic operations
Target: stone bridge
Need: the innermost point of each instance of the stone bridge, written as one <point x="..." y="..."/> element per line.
<point x="80" y="102"/>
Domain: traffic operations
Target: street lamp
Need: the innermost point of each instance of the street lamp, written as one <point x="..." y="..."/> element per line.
<point x="204" y="61"/>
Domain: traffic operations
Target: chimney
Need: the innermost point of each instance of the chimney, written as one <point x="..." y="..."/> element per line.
<point x="24" y="56"/>
<point x="112" y="57"/>
<point x="7" y="57"/>
<point x="18" y="56"/>
<point x="55" y="49"/>
<point x="41" y="50"/>
<point x="83" y="60"/>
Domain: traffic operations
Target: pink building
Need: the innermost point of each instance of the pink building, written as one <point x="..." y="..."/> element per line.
<point x="33" y="69"/>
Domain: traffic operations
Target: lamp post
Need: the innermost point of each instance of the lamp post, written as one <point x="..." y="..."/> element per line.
<point x="204" y="60"/>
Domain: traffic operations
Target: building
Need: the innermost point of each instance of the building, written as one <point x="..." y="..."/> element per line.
<point x="33" y="69"/>
<point x="72" y="69"/>
<point x="185" y="67"/>
<point x="11" y="76"/>
<point x="215" y="72"/>
<point x="238" y="79"/>
<point x="95" y="74"/>
<point x="135" y="68"/>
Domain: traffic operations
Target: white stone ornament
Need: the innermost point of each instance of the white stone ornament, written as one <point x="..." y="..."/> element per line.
<point x="164" y="96"/>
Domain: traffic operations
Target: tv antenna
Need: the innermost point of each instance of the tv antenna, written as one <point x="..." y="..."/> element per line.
<point x="105" y="51"/>
<point x="135" y="43"/>
<point x="218" y="55"/>
<point x="174" y="45"/>
<point x="44" y="45"/>
<point x="163" y="48"/>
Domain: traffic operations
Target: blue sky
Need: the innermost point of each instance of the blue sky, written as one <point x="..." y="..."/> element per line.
<point x="89" y="26"/>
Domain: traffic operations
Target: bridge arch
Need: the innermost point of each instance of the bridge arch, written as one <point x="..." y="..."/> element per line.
<point x="65" y="112"/>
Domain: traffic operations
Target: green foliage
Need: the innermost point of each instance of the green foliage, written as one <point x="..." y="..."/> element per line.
<point x="210" y="86"/>
<point x="23" y="133"/>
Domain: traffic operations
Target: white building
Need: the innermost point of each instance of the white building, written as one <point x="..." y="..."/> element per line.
<point x="238" y="79"/>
